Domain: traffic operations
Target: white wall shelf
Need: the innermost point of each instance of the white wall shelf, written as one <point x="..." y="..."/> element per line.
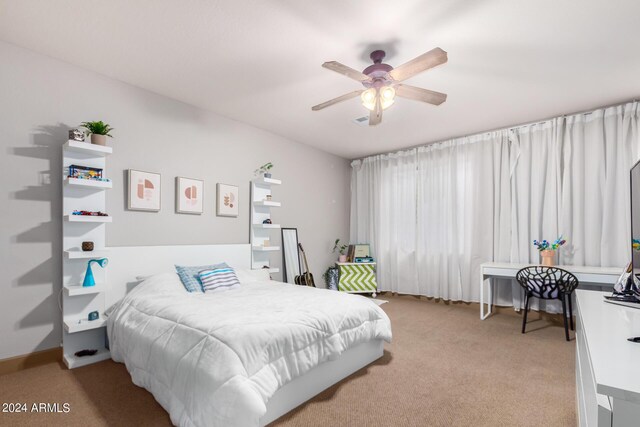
<point x="87" y="147"/>
<point x="266" y="248"/>
<point x="266" y="181"/>
<point x="73" y="361"/>
<point x="79" y="301"/>
<point x="87" y="218"/>
<point x="265" y="226"/>
<point x="88" y="183"/>
<point x="79" y="254"/>
<point x="77" y="290"/>
<point x="267" y="203"/>
<point x="72" y="325"/>
<point x="261" y="233"/>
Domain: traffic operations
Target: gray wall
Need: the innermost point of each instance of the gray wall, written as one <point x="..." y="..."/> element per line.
<point x="40" y="98"/>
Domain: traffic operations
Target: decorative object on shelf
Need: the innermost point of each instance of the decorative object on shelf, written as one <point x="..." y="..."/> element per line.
<point x="144" y="191"/>
<point x="76" y="135"/>
<point x="87" y="246"/>
<point x="267" y="221"/>
<point x="189" y="195"/>
<point x="88" y="213"/>
<point x="341" y="250"/>
<point x="331" y="277"/>
<point x="227" y="200"/>
<point x="264" y="170"/>
<point x="628" y="283"/>
<point x="548" y="251"/>
<point x="268" y="198"/>
<point x="265" y="242"/>
<point x="99" y="132"/>
<point x="94" y="315"/>
<point x="83" y="353"/>
<point x="85" y="172"/>
<point x="89" y="280"/>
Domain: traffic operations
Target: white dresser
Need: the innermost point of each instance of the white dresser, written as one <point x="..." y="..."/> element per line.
<point x="607" y="365"/>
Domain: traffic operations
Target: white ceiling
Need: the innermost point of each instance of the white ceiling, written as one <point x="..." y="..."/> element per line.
<point x="259" y="61"/>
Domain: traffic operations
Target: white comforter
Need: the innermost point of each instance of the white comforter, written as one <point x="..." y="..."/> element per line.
<point x="216" y="359"/>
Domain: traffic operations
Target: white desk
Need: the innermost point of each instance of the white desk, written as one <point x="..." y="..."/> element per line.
<point x="607" y="378"/>
<point x="603" y="276"/>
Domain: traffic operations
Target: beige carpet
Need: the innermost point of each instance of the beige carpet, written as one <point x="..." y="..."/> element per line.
<point x="445" y="367"/>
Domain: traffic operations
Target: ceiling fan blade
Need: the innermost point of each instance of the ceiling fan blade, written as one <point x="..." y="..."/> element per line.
<point x="419" y="94"/>
<point x="423" y="62"/>
<point x="347" y="71"/>
<point x="375" y="117"/>
<point x="344" y="97"/>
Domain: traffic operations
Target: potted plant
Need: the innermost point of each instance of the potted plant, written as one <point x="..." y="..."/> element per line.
<point x="264" y="170"/>
<point x="548" y="251"/>
<point x="99" y="131"/>
<point x="341" y="250"/>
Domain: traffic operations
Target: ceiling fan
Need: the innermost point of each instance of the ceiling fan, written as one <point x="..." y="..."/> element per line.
<point x="382" y="82"/>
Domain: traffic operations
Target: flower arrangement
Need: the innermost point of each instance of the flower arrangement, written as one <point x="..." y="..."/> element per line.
<point x="545" y="246"/>
<point x="635" y="244"/>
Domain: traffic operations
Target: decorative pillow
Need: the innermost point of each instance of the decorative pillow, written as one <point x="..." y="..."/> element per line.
<point x="246" y="276"/>
<point x="189" y="275"/>
<point x="219" y="279"/>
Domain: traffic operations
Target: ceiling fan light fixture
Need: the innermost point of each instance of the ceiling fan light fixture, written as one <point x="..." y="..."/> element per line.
<point x="368" y="98"/>
<point x="387" y="96"/>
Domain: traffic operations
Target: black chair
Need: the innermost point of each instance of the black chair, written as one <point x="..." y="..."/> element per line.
<point x="548" y="283"/>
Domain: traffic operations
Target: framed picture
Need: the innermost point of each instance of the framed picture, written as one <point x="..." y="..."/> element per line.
<point x="227" y="203"/>
<point x="144" y="191"/>
<point x="189" y="195"/>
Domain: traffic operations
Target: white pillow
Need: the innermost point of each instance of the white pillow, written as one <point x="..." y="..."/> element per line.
<point x="251" y="276"/>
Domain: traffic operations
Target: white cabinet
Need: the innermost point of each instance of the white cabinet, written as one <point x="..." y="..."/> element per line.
<point x="607" y="378"/>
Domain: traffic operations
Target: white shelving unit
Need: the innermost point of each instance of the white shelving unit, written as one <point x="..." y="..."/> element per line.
<point x="77" y="301"/>
<point x="87" y="218"/>
<point x="261" y="255"/>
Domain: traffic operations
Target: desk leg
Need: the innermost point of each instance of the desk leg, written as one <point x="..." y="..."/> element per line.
<point x="484" y="315"/>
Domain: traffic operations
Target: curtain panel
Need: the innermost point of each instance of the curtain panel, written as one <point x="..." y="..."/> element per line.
<point x="433" y="214"/>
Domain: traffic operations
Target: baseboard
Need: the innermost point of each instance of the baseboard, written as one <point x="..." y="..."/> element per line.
<point x="31" y="360"/>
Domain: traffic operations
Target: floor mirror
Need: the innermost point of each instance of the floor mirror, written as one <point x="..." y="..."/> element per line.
<point x="290" y="254"/>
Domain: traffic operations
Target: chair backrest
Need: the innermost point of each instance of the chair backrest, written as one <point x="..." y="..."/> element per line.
<point x="546" y="282"/>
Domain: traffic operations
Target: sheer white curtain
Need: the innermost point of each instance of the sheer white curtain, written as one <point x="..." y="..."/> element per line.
<point x="435" y="213"/>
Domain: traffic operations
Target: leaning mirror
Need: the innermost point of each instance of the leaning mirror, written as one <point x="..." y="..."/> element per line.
<point x="290" y="254"/>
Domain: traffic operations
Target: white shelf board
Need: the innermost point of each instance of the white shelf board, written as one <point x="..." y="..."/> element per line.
<point x="87" y="218"/>
<point x="78" y="254"/>
<point x="88" y="148"/>
<point x="266" y="181"/>
<point x="266" y="225"/>
<point x="266" y="248"/>
<point x="267" y="203"/>
<point x="72" y="326"/>
<point x="75" y="290"/>
<point x="89" y="183"/>
<point x="73" y="361"/>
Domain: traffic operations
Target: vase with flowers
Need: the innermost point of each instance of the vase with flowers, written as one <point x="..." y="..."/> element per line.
<point x="548" y="251"/>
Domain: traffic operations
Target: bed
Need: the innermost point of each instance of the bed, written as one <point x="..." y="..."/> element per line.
<point x="242" y="357"/>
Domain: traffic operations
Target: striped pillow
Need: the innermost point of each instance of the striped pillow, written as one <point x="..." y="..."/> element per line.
<point x="219" y="279"/>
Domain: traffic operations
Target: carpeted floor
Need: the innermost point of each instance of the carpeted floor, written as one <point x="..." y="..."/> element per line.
<point x="445" y="367"/>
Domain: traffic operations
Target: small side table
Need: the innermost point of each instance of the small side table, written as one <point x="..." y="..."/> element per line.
<point x="358" y="278"/>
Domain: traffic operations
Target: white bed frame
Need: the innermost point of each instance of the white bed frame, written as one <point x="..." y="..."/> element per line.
<point x="128" y="263"/>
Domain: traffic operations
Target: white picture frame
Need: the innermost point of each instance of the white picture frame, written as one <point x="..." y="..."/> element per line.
<point x="144" y="191"/>
<point x="227" y="200"/>
<point x="189" y="195"/>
